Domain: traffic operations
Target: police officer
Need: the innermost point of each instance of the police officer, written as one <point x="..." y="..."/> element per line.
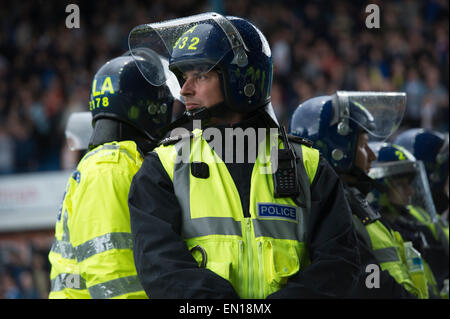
<point x="340" y="126"/>
<point x="92" y="255"/>
<point x="215" y="228"/>
<point x="407" y="204"/>
<point x="431" y="147"/>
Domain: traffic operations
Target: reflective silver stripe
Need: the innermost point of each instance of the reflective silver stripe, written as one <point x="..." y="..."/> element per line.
<point x="109" y="147"/>
<point x="181" y="175"/>
<point x="198" y="226"/>
<point x="104" y="147"/>
<point x="64" y="248"/>
<point x="128" y="154"/>
<point x="103" y="243"/>
<point x="63" y="281"/>
<point x="384" y="255"/>
<point x="279" y="229"/>
<point x="222" y="225"/>
<point x="210" y="226"/>
<point x="115" y="287"/>
<point x="66" y="233"/>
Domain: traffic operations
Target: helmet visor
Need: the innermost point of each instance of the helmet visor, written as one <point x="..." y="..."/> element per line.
<point x="79" y="130"/>
<point x="378" y="113"/>
<point x="407" y="184"/>
<point x="196" y="41"/>
<point x="442" y="156"/>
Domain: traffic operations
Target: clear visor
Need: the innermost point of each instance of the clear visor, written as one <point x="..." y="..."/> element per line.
<point x="442" y="156"/>
<point x="79" y="130"/>
<point x="152" y="65"/>
<point x="407" y="184"/>
<point x="378" y="113"/>
<point x="186" y="39"/>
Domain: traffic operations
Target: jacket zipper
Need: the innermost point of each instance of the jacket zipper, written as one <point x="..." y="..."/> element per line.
<point x="248" y="224"/>
<point x="241" y="266"/>
<point x="261" y="270"/>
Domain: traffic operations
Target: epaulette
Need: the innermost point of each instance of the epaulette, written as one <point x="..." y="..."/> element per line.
<point x="174" y="139"/>
<point x="360" y="207"/>
<point x="300" y="140"/>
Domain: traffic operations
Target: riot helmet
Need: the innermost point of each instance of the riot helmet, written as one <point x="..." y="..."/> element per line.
<point x="430" y="147"/>
<point x="120" y="93"/>
<point x="334" y="123"/>
<point x="232" y="46"/>
<point x="403" y="178"/>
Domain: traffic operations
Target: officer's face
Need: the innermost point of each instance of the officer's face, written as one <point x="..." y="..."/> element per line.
<point x="364" y="155"/>
<point x="201" y="89"/>
<point x="401" y="191"/>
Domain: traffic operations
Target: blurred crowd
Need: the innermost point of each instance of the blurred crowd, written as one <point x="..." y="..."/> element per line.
<point x="46" y="70"/>
<point x="24" y="267"/>
<point x="318" y="47"/>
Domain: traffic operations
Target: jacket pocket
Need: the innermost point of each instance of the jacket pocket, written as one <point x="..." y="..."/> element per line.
<point x="281" y="261"/>
<point x="221" y="255"/>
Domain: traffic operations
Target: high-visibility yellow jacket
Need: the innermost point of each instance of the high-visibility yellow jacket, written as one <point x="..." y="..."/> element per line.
<point x="440" y="234"/>
<point x="387" y="246"/>
<point x="216" y="230"/>
<point x="92" y="253"/>
<point x="437" y="228"/>
<point x="256" y="254"/>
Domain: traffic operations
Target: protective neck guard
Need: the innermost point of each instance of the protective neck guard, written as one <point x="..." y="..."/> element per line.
<point x="109" y="130"/>
<point x="360" y="180"/>
<point x="205" y="114"/>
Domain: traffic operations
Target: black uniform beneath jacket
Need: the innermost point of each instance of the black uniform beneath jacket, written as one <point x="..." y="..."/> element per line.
<point x="166" y="268"/>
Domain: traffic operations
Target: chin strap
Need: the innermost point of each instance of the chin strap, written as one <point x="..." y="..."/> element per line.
<point x="364" y="183"/>
<point x="219" y="110"/>
<point x="204" y="114"/>
<point x="188" y="116"/>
